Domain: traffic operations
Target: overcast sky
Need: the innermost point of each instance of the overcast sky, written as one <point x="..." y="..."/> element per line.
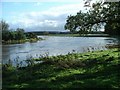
<point x="40" y="15"/>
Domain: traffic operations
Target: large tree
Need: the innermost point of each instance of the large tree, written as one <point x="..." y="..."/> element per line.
<point x="5" y="30"/>
<point x="4" y="25"/>
<point x="107" y="14"/>
<point x="20" y="34"/>
<point x="8" y="34"/>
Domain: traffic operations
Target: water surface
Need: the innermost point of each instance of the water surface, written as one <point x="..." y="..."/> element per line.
<point x="53" y="45"/>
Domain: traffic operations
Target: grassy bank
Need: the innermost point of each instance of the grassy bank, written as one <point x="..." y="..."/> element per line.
<point x="97" y="69"/>
<point x="79" y="35"/>
<point x="21" y="41"/>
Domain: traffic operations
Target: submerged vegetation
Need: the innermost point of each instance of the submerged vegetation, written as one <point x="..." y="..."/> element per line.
<point x="97" y="69"/>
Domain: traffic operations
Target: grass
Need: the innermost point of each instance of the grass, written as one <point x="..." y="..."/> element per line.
<point x="78" y="35"/>
<point x="99" y="69"/>
<point x="21" y="41"/>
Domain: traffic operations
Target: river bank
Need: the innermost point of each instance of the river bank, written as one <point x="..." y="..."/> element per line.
<point x="21" y="41"/>
<point x="98" y="69"/>
<point x="77" y="35"/>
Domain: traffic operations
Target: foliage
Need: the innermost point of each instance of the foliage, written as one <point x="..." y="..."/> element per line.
<point x="16" y="36"/>
<point x="19" y="34"/>
<point x="31" y="35"/>
<point x="107" y="14"/>
<point x="100" y="70"/>
<point x="8" y="34"/>
<point x="4" y="25"/>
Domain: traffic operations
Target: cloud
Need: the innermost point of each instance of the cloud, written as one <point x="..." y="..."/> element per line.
<point x="38" y="3"/>
<point x="52" y="19"/>
<point x="65" y="9"/>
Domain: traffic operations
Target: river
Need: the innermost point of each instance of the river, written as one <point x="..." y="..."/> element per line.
<point x="53" y="45"/>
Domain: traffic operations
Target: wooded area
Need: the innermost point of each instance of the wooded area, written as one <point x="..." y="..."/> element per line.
<point x="18" y="34"/>
<point x="107" y="15"/>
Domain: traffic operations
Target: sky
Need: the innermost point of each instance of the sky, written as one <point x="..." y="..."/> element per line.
<point x="39" y="15"/>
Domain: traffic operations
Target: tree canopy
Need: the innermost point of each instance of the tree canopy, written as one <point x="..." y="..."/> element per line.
<point x="107" y="14"/>
<point x="18" y="34"/>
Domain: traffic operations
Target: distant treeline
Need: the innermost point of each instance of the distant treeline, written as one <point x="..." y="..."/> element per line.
<point x="48" y="32"/>
<point x="58" y="32"/>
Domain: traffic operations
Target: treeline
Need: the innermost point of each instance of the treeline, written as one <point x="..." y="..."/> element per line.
<point x="49" y="32"/>
<point x="18" y="34"/>
<point x="107" y="14"/>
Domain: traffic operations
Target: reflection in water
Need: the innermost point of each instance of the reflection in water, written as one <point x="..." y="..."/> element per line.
<point x="53" y="45"/>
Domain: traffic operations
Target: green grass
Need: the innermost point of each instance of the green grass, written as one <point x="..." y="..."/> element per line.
<point x="97" y="69"/>
<point x="21" y="41"/>
<point x="78" y="35"/>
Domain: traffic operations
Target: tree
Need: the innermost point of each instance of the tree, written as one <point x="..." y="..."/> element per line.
<point x="5" y="30"/>
<point x="31" y="35"/>
<point x="8" y="34"/>
<point x="71" y="23"/>
<point x="4" y="25"/>
<point x="98" y="15"/>
<point x="113" y="19"/>
<point x="19" y="34"/>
